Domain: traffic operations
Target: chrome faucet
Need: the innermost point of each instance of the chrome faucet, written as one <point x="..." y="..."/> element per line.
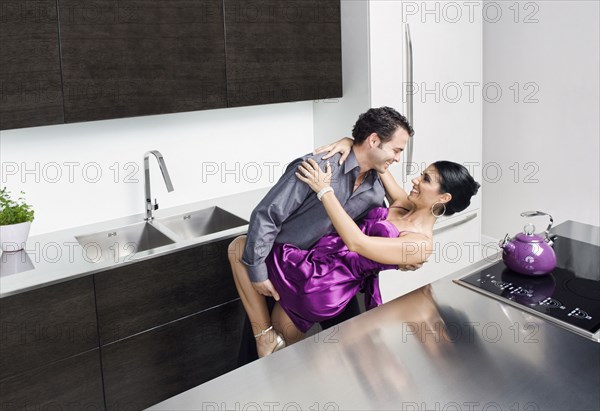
<point x="165" y="173"/>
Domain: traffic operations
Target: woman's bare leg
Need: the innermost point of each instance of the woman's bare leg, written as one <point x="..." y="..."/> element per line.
<point x="284" y="325"/>
<point x="254" y="303"/>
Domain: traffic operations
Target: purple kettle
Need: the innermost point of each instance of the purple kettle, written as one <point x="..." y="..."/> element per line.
<point x="528" y="253"/>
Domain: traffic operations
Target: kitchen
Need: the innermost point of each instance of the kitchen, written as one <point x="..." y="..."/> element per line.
<point x="540" y="57"/>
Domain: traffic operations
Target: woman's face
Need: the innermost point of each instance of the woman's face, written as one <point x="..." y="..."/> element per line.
<point x="426" y="189"/>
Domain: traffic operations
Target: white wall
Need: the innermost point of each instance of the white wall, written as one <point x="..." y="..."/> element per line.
<point x="334" y="118"/>
<point x="555" y="141"/>
<point x="208" y="153"/>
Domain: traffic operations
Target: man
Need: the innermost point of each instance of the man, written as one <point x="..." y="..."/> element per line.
<point x="291" y="212"/>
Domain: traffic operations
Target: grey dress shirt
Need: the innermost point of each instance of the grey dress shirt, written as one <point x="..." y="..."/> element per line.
<point x="291" y="213"/>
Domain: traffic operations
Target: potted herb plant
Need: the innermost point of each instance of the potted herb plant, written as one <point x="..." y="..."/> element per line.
<point x="15" y="221"/>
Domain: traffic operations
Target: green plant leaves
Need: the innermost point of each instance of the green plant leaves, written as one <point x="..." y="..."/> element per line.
<point x="14" y="212"/>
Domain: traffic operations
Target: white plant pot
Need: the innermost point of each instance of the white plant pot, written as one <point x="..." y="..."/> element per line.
<point x="14" y="236"/>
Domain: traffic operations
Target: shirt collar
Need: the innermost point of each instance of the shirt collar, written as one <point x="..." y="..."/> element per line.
<point x="351" y="163"/>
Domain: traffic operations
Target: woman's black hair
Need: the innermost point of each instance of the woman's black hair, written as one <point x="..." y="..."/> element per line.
<point x="455" y="179"/>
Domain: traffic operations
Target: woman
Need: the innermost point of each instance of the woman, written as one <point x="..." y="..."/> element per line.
<point x="316" y="284"/>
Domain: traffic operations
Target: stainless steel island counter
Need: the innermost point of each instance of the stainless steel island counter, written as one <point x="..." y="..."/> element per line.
<point x="441" y="347"/>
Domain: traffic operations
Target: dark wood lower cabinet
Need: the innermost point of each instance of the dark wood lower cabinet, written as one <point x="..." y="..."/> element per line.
<point x="157" y="364"/>
<point x="71" y="384"/>
<point x="178" y="324"/>
<point x="150" y="293"/>
<point x="45" y="325"/>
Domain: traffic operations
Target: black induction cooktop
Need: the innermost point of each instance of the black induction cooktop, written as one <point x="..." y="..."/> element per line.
<point x="569" y="296"/>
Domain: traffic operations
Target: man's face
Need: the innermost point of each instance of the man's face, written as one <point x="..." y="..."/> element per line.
<point x="384" y="154"/>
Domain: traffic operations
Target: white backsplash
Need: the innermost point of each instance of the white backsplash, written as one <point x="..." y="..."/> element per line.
<point x="83" y="173"/>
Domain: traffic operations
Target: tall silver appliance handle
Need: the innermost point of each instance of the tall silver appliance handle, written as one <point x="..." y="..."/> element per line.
<point x="408" y="94"/>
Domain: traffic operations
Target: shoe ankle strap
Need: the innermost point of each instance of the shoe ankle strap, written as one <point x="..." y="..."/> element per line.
<point x="263" y="332"/>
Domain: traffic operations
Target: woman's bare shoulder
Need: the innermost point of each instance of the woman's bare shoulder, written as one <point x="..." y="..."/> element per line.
<point x="402" y="205"/>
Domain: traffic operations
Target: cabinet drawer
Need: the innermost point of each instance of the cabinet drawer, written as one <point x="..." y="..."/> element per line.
<point x="150" y="367"/>
<point x="46" y="325"/>
<point x="74" y="383"/>
<point x="150" y="293"/>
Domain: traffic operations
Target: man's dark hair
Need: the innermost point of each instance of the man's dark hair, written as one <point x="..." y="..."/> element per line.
<point x="384" y="121"/>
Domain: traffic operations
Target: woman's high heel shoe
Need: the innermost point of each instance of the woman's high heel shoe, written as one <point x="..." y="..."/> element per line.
<point x="279" y="341"/>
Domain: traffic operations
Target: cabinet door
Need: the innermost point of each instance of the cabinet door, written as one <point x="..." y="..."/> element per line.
<point x="30" y="82"/>
<point x="74" y="383"/>
<point x="150" y="293"/>
<point x="46" y="325"/>
<point x="152" y="366"/>
<point x="456" y="245"/>
<point x="281" y="50"/>
<point x="124" y="58"/>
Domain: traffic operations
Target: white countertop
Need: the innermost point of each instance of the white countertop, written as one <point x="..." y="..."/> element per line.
<point x="55" y="257"/>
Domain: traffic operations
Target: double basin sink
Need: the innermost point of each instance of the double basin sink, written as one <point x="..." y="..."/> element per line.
<point x="128" y="240"/>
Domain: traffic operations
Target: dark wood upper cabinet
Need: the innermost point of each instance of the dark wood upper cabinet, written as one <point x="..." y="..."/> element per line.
<point x="66" y="61"/>
<point x="124" y="58"/>
<point x="282" y="50"/>
<point x="30" y="76"/>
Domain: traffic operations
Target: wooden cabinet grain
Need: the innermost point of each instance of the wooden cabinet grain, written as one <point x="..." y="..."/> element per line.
<point x="281" y="50"/>
<point x="30" y="73"/>
<point x="124" y="58"/>
<point x="152" y="366"/>
<point x="167" y="324"/>
<point x="150" y="293"/>
<point x="73" y="384"/>
<point x="46" y="325"/>
<point x="49" y="353"/>
<point x="68" y="61"/>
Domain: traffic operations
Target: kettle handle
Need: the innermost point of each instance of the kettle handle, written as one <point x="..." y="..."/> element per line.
<point x="540" y="213"/>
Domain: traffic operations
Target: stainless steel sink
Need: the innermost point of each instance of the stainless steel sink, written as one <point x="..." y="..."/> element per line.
<point x="112" y="245"/>
<point x="202" y="222"/>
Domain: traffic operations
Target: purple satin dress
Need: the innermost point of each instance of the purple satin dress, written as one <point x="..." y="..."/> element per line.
<point x="317" y="284"/>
